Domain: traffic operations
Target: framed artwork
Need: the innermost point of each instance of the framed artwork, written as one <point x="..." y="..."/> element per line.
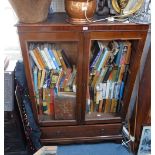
<point x="145" y="141"/>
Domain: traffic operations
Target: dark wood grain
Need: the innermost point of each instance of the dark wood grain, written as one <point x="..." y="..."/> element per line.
<point x="143" y="116"/>
<point x="80" y="37"/>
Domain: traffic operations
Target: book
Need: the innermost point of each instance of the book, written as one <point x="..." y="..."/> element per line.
<point x="107" y="73"/>
<point x="54" y="78"/>
<point x="68" y="74"/>
<point x="45" y="108"/>
<point x="128" y="52"/>
<point x="41" y="101"/>
<point x="113" y="107"/>
<point x="48" y="57"/>
<point x="103" y="59"/>
<point x="45" y="58"/>
<point x="64" y="67"/>
<point x="65" y="58"/>
<point x="117" y="90"/>
<point x="107" y="106"/>
<point x="98" y="93"/>
<point x="42" y="78"/>
<point x="102" y="75"/>
<point x="53" y="58"/>
<point x="39" y="58"/>
<point x="35" y="79"/>
<point x="125" y="73"/>
<point x="35" y="60"/>
<point x="39" y="78"/>
<point x="65" y="104"/>
<point x="94" y="51"/>
<point x="47" y="98"/>
<point x="95" y="79"/>
<point x="121" y="73"/>
<point x="100" y="106"/>
<point x="56" y="56"/>
<point x="94" y="62"/>
<point x="118" y="56"/>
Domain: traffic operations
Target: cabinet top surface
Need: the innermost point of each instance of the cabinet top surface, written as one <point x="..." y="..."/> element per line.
<point x="59" y="20"/>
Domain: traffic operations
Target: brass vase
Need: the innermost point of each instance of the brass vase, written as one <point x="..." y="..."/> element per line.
<point x="80" y="11"/>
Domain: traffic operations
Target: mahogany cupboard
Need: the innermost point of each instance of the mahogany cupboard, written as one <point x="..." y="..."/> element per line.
<point x="81" y="84"/>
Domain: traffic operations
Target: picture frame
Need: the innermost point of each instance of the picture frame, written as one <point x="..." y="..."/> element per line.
<point x="145" y="141"/>
<point x="132" y="7"/>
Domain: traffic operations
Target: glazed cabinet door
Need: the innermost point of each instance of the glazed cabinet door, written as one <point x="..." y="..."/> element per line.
<point x="113" y="59"/>
<point x="53" y="65"/>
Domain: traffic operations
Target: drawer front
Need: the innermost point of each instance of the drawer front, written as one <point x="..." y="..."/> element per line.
<point x="81" y="131"/>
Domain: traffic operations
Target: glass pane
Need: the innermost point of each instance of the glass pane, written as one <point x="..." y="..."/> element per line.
<point x="54" y="67"/>
<point x="108" y="67"/>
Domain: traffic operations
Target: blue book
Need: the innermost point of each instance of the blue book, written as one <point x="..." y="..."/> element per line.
<point x="121" y="90"/>
<point x="53" y="59"/>
<point x="96" y="59"/>
<point x="35" y="79"/>
<point x="118" y="57"/>
<point x="103" y="59"/>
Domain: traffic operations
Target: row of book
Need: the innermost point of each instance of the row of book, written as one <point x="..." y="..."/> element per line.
<point x="46" y="56"/>
<point x="109" y="65"/>
<point x="53" y="77"/>
<point x="62" y="76"/>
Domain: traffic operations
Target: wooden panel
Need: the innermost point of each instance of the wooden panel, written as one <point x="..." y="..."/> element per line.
<point x="144" y="103"/>
<point x="116" y="138"/>
<point x="81" y="131"/>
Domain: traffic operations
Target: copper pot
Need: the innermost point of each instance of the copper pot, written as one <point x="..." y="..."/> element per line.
<point x="75" y="10"/>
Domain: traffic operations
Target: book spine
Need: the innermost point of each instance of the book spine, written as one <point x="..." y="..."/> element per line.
<point x="35" y="60"/>
<point x="45" y="109"/>
<point x="42" y="78"/>
<point x="103" y="59"/>
<point x="41" y="101"/>
<point x="122" y="70"/>
<point x="39" y="78"/>
<point x="35" y="78"/>
<point x="49" y="58"/>
<point x="107" y="74"/>
<point x="38" y="56"/>
<point x="96" y="59"/>
<point x="65" y="59"/>
<point x="128" y="54"/>
<point x="57" y="57"/>
<point x="64" y="67"/>
<point x="53" y="58"/>
<point x="118" y="57"/>
<point x="100" y="106"/>
<point x="45" y="59"/>
<point x="113" y="106"/>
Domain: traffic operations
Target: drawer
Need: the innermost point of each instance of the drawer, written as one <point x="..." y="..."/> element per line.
<point x="81" y="131"/>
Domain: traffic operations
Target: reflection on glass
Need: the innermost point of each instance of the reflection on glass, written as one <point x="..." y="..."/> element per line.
<point x="109" y="62"/>
<point x="143" y="16"/>
<point x="54" y="78"/>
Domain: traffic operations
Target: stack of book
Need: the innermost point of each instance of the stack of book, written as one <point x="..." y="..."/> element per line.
<point x="52" y="74"/>
<point x="109" y="64"/>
